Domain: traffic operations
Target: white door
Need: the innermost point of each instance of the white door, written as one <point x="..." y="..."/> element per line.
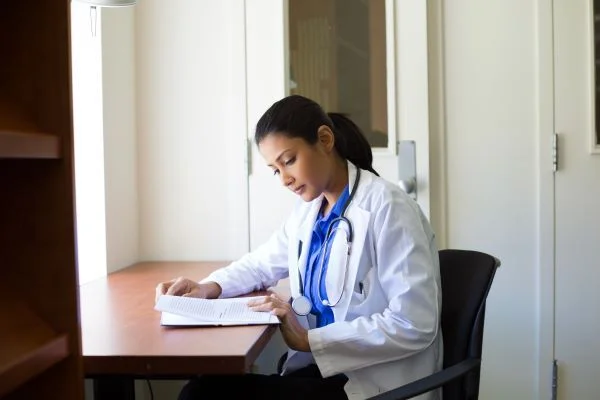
<point x="577" y="201"/>
<point x="268" y="80"/>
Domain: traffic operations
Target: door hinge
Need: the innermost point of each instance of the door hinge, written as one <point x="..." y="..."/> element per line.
<point x="554" y="379"/>
<point x="555" y="153"/>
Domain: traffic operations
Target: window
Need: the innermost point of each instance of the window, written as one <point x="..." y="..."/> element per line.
<point x="88" y="140"/>
<point x="338" y="58"/>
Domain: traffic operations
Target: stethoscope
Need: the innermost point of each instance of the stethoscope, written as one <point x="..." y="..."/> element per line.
<point x="302" y="304"/>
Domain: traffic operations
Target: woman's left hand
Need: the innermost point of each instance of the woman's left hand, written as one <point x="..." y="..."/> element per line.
<point x="294" y="334"/>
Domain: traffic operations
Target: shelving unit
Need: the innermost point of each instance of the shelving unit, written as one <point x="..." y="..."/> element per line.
<point x="30" y="347"/>
<point x="40" y="351"/>
<point x="21" y="138"/>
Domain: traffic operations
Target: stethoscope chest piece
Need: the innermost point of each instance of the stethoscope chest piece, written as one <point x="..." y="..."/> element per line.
<point x="301" y="305"/>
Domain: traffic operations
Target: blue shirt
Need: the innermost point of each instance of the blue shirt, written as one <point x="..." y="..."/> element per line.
<point x="312" y="285"/>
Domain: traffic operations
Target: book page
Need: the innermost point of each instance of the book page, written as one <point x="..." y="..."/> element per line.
<point x="217" y="311"/>
<point x="168" y="319"/>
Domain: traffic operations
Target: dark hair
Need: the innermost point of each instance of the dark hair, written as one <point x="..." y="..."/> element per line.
<point x="297" y="116"/>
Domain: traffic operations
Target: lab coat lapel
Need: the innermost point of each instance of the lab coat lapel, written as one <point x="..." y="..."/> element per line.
<point x="300" y="246"/>
<point x="338" y="274"/>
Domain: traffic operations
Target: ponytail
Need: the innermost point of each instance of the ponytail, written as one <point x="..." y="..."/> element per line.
<point x="351" y="143"/>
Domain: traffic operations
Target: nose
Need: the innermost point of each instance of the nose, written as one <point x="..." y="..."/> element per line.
<point x="286" y="179"/>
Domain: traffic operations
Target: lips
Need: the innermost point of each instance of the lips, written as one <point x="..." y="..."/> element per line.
<point x="299" y="189"/>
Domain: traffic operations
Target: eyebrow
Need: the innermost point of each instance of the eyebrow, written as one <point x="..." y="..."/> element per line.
<point x="280" y="155"/>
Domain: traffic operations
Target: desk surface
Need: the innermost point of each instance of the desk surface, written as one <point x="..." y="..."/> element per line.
<point x="121" y="332"/>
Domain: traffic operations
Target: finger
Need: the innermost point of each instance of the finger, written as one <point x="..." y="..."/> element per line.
<point x="281" y="313"/>
<point x="278" y="302"/>
<point x="161" y="289"/>
<point x="257" y="301"/>
<point x="164" y="286"/>
<point x="276" y="297"/>
<point x="267" y="307"/>
<point x="177" y="288"/>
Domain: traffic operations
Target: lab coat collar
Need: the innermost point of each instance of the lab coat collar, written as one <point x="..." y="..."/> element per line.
<point x="366" y="178"/>
<point x="352" y="176"/>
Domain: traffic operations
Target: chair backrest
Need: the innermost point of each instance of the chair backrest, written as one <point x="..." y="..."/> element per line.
<point x="466" y="280"/>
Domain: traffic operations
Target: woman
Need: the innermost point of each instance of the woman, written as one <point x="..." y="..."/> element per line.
<point x="365" y="315"/>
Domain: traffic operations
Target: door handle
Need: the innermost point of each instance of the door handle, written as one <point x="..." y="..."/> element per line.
<point x="407" y="167"/>
<point x="409" y="186"/>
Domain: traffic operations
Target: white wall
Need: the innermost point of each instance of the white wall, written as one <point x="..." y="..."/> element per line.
<point x="120" y="169"/>
<point x="191" y="129"/>
<point x="491" y="172"/>
<point x="191" y="139"/>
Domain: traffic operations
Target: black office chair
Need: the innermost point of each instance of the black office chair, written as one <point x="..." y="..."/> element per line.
<point x="466" y="280"/>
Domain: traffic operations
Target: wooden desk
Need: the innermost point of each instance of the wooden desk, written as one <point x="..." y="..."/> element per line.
<point x="122" y="338"/>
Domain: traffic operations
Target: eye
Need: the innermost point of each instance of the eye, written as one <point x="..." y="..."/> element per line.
<point x="290" y="161"/>
<point x="275" y="172"/>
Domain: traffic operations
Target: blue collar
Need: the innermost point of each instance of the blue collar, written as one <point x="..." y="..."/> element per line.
<point x="336" y="211"/>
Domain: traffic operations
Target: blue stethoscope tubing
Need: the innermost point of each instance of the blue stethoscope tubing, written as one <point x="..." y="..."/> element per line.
<point x="302" y="304"/>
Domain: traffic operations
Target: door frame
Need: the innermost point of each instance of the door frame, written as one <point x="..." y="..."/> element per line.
<point x="545" y="311"/>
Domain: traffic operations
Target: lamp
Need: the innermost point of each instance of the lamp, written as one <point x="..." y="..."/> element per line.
<point x="108" y="3"/>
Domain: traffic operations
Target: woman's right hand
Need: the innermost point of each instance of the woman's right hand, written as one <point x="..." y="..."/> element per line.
<point x="188" y="288"/>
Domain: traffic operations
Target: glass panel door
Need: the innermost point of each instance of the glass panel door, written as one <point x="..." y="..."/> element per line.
<point x="338" y="58"/>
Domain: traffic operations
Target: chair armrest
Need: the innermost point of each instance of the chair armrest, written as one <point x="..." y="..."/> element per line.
<point x="430" y="382"/>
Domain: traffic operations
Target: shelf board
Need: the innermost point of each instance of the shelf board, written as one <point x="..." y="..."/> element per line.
<point x="21" y="138"/>
<point x="28" y="145"/>
<point x="28" y="346"/>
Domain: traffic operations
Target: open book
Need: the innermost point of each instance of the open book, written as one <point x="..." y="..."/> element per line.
<point x="189" y="311"/>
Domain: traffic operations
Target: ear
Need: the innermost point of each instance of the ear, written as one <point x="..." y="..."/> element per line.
<point x="326" y="138"/>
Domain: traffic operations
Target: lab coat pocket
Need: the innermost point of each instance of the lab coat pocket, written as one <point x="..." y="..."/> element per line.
<point x="361" y="303"/>
<point x="362" y="287"/>
<point x="357" y="297"/>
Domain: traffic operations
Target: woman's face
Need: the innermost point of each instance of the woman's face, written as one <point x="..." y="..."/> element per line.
<point x="303" y="168"/>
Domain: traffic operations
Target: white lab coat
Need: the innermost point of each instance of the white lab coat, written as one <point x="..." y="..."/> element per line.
<point x="389" y="333"/>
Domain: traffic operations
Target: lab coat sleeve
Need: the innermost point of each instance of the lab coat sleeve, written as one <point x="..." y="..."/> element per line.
<point x="257" y="270"/>
<point x="407" y="274"/>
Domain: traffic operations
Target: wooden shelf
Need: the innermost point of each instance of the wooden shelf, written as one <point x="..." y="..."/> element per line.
<point x="40" y="346"/>
<point x="28" y="346"/>
<point x="28" y="145"/>
<point x="21" y="138"/>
